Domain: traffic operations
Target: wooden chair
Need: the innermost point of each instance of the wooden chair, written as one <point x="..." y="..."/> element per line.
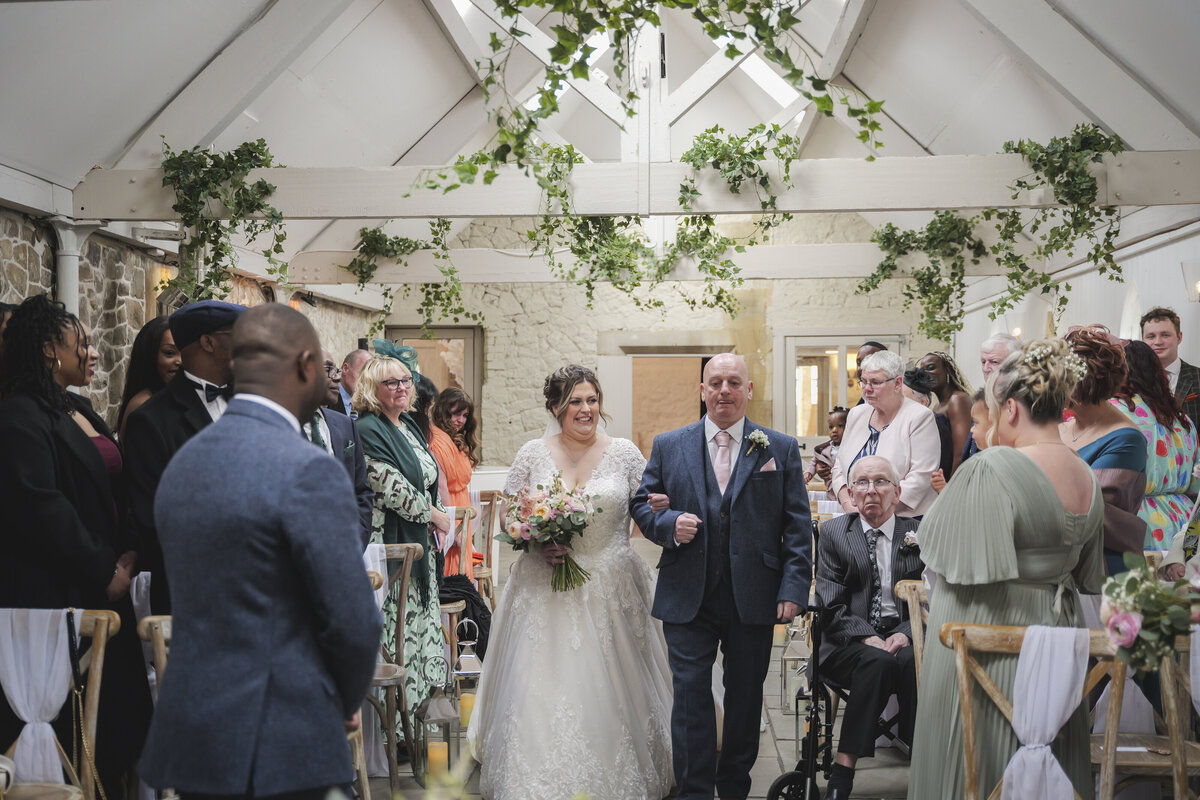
<point x="157" y="631"/>
<point x="390" y="672"/>
<point x="1172" y="757"/>
<point x="462" y="531"/>
<point x="99" y="626"/>
<point x="913" y="595"/>
<point x="489" y="521"/>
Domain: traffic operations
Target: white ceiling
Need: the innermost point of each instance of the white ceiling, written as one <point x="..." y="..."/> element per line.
<point x="376" y="82"/>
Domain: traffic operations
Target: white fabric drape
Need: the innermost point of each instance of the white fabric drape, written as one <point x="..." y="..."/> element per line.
<point x="35" y="673"/>
<point x="1047" y="689"/>
<point x="375" y="560"/>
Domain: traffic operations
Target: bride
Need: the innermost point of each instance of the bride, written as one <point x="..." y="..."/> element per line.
<point x="575" y="696"/>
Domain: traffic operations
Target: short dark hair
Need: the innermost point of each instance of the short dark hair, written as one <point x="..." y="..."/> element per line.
<point x="873" y="343"/>
<point x="1158" y="313"/>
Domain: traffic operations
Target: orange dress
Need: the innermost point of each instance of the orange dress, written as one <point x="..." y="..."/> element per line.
<point x="456" y="466"/>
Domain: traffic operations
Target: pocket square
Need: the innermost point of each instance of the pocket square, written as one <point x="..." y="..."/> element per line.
<point x="348" y="449"/>
<point x="769" y="466"/>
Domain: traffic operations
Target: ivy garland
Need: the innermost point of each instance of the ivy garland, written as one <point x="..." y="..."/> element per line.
<point x="204" y="181"/>
<point x="1062" y="165"/>
<point x="438" y="300"/>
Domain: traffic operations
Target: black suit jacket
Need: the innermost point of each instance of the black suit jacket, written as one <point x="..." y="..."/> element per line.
<point x="844" y="579"/>
<point x="347" y="447"/>
<point x="1189" y="387"/>
<point x="60" y="539"/>
<point x="153" y="434"/>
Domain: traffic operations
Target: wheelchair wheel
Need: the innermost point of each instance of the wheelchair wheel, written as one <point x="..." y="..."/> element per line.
<point x="791" y="786"/>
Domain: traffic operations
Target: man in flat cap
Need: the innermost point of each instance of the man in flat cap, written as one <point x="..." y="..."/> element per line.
<point x="197" y="395"/>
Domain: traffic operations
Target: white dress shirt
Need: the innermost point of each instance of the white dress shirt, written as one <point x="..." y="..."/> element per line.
<point x="271" y="404"/>
<point x="735" y="431"/>
<point x="323" y="426"/>
<point x="1173" y="373"/>
<point x="883" y="560"/>
<point x="217" y="407"/>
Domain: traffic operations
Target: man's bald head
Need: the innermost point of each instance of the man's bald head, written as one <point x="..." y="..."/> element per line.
<point x="277" y="354"/>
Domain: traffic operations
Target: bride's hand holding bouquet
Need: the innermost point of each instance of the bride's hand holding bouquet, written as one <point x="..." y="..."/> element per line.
<point x="550" y="517"/>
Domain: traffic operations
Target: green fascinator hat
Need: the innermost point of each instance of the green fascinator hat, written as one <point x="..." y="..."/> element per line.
<point x="401" y="352"/>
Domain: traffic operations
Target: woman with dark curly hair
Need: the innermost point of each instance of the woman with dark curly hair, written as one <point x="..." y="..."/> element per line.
<point x="453" y="443"/>
<point x="1110" y="444"/>
<point x="153" y="361"/>
<point x="62" y="543"/>
<point x="1147" y="401"/>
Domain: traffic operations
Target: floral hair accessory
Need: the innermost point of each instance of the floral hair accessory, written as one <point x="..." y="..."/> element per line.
<point x="1073" y="363"/>
<point x="757" y="439"/>
<point x="401" y="352"/>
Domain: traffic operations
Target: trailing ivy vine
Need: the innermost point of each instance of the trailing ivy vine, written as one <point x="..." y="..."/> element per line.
<point x="441" y="300"/>
<point x="1061" y="165"/>
<point x="204" y="182"/>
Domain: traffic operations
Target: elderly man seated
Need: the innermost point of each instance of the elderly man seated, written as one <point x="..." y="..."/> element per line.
<point x="867" y="641"/>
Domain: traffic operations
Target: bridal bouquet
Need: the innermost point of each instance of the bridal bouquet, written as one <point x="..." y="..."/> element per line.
<point x="1143" y="614"/>
<point x="550" y="515"/>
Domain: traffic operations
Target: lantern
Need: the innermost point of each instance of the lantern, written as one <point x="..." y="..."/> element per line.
<point x="468" y="667"/>
<point x="793" y="667"/>
<point x="435" y="731"/>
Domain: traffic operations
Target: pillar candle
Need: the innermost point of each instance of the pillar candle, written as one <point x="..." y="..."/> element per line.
<point x="465" y="707"/>
<point x="439" y="758"/>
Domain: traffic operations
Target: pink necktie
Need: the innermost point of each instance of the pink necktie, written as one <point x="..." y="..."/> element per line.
<point x="721" y="464"/>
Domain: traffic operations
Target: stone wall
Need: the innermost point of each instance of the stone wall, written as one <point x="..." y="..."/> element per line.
<point x="532" y="328"/>
<point x="340" y="326"/>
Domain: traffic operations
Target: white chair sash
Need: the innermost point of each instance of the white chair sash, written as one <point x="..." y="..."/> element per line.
<point x="1047" y="689"/>
<point x="35" y="673"/>
<point x="375" y="560"/>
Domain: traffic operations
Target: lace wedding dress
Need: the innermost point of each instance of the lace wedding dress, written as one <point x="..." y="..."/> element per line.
<point x="575" y="695"/>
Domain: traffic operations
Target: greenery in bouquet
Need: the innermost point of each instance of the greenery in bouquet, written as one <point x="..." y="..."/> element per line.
<point x="1143" y="614"/>
<point x="549" y="514"/>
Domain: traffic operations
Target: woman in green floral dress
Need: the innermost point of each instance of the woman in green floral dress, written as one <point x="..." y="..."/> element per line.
<point x="404" y="477"/>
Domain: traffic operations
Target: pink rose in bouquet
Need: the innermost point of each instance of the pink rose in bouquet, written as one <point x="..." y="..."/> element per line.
<point x="1123" y="628"/>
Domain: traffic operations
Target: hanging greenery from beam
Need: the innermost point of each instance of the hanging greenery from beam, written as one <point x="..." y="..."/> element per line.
<point x="205" y="182"/>
<point x="1063" y="165"/>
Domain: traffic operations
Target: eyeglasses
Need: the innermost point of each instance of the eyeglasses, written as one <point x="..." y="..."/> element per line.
<point x="880" y="484"/>
<point x="876" y="384"/>
<point x="333" y="372"/>
<point x="395" y="384"/>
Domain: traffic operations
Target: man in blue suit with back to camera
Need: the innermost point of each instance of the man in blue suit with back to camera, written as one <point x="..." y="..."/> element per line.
<point x="275" y="628"/>
<point x="726" y="501"/>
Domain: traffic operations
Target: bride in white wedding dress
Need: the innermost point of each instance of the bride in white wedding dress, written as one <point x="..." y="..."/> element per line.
<point x="575" y="695"/>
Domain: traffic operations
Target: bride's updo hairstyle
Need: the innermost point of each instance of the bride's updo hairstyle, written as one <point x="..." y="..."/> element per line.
<point x="560" y="383"/>
<point x="1042" y="376"/>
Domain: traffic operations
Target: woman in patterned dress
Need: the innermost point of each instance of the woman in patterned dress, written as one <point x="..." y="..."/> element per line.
<point x="1171" y="445"/>
<point x="404" y="477"/>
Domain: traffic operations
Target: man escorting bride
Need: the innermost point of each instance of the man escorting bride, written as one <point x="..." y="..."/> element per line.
<point x="576" y="696"/>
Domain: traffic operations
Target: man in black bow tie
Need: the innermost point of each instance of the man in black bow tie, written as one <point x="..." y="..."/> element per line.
<point x="197" y="395"/>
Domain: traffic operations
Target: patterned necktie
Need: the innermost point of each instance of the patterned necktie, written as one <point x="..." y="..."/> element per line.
<point x="722" y="465"/>
<point x="314" y="430"/>
<point x="875" y="614"/>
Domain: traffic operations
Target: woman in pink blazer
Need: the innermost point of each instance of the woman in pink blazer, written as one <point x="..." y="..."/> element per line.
<point x="890" y="425"/>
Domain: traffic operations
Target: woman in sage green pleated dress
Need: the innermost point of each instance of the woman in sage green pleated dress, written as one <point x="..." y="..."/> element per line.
<point x="1013" y="536"/>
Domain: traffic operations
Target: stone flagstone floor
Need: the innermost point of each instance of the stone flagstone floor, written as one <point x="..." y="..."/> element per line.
<point x="884" y="776"/>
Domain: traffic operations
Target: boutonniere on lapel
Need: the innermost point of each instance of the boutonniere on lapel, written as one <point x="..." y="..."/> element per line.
<point x="758" y="440"/>
<point x="910" y="544"/>
<point x="348" y="450"/>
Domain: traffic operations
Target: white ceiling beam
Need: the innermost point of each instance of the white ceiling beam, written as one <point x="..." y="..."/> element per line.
<point x="32" y="195"/>
<point x="852" y="21"/>
<point x="455" y="29"/>
<point x="701" y="82"/>
<point x="820" y="185"/>
<point x="538" y="44"/>
<point x="1104" y="89"/>
<point x="233" y="79"/>
<point x="849" y="260"/>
